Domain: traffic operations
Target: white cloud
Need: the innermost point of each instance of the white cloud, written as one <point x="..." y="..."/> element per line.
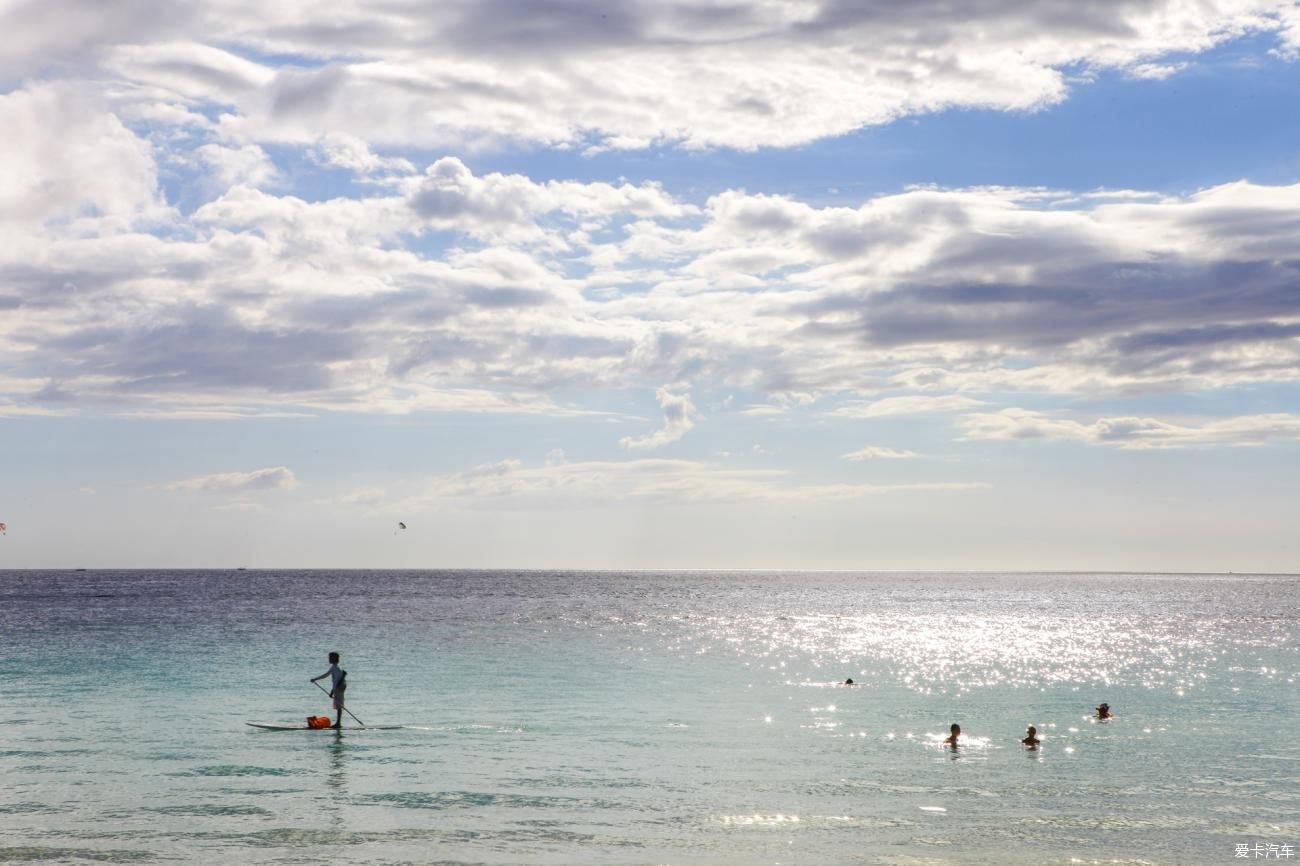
<point x="272" y="478"/>
<point x="511" y="483"/>
<point x="188" y="71"/>
<point x="342" y="150"/>
<point x="64" y="157"/>
<point x="231" y="166"/>
<point x="265" y="303"/>
<point x="450" y="196"/>
<point x="10" y="409"/>
<point x="1022" y="424"/>
<point x="1156" y="71"/>
<point x="905" y="405"/>
<point x="240" y="506"/>
<point x="1133" y="433"/>
<point x="760" y="411"/>
<point x="877" y="452"/>
<point x="601" y="76"/>
<point x="1289" y="18"/>
<point x="679" y="418"/>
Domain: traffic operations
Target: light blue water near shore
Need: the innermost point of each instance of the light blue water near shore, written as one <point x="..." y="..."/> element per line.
<point x="643" y="718"/>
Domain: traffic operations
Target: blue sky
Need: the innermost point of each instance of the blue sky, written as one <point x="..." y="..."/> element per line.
<point x="773" y="285"/>
<point x="1221" y="120"/>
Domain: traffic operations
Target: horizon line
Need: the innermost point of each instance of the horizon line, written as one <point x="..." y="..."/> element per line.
<point x="650" y="570"/>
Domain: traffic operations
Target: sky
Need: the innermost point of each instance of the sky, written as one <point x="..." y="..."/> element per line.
<point x="786" y="284"/>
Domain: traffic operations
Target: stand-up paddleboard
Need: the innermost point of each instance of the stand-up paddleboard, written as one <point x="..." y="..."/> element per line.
<point x="266" y="727"/>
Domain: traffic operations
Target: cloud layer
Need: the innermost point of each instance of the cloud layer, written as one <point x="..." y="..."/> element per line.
<point x="160" y="257"/>
<point x="930" y="300"/>
<point x="590" y="74"/>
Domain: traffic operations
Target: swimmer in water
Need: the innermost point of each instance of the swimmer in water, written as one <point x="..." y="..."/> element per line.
<point x="1103" y="711"/>
<point x="1031" y="738"/>
<point x="849" y="682"/>
<point x="952" y="738"/>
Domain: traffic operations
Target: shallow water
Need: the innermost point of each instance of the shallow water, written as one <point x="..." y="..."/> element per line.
<point x="648" y="718"/>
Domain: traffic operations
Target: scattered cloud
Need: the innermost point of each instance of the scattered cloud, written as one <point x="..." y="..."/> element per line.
<point x="263" y="303"/>
<point x="1156" y="71"/>
<point x="272" y="478"/>
<point x="1133" y="433"/>
<point x="11" y="409"/>
<point x="876" y="452"/>
<point x="240" y="506"/>
<point x="904" y="405"/>
<point x="512" y="483"/>
<point x="679" y="414"/>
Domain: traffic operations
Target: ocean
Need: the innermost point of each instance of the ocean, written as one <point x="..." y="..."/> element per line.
<point x="652" y="718"/>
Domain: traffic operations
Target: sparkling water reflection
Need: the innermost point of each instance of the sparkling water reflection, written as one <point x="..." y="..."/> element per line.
<point x="643" y="718"/>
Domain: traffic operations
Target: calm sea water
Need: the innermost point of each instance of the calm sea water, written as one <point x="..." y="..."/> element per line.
<point x="648" y="718"/>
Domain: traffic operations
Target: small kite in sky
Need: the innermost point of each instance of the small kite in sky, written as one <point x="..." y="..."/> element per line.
<point x="400" y="524"/>
<point x="3" y="528"/>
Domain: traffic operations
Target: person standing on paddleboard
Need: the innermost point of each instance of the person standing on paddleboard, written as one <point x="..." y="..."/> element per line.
<point x="338" y="685"/>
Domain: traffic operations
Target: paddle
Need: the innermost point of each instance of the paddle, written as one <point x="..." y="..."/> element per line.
<point x="345" y="709"/>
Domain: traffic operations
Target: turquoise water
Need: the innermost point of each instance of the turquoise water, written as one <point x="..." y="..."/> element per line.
<point x="648" y="718"/>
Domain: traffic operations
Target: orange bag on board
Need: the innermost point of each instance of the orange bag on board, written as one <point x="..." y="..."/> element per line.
<point x="318" y="721"/>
